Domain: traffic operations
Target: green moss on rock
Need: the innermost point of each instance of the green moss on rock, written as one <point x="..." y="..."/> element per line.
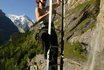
<point x="75" y="51"/>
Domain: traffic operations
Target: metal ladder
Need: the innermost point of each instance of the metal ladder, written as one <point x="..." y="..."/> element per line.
<point x="62" y="36"/>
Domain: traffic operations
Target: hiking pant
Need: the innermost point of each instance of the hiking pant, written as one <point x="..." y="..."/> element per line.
<point x="48" y="41"/>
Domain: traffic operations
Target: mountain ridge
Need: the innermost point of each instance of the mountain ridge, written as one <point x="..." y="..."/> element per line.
<point x="7" y="28"/>
<point x="22" y="22"/>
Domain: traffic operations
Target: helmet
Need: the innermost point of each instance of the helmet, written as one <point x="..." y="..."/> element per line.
<point x="37" y="1"/>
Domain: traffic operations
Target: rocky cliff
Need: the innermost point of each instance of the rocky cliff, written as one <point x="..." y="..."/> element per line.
<point x="98" y="62"/>
<point x="81" y="35"/>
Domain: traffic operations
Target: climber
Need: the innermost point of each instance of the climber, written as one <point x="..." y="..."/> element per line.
<point x="46" y="40"/>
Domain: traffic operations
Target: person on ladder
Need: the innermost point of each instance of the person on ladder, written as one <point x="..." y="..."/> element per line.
<point x="46" y="40"/>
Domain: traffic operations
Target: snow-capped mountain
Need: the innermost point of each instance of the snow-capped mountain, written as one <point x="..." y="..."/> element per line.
<point x="23" y="22"/>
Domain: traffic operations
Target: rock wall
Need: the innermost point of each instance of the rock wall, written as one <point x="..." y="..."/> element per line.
<point x="99" y="61"/>
<point x="100" y="20"/>
<point x="87" y="39"/>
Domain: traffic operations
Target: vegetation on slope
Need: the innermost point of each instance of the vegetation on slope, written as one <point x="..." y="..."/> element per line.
<point x="14" y="53"/>
<point x="75" y="51"/>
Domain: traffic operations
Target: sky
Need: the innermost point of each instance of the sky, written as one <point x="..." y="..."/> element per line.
<point x="19" y="7"/>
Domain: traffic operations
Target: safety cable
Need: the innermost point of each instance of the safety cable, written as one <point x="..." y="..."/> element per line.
<point x="62" y="37"/>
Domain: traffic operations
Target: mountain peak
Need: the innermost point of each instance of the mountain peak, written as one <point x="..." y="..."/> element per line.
<point x="22" y="21"/>
<point x="24" y="15"/>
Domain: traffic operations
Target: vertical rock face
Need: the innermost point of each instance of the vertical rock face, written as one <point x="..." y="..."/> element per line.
<point x="98" y="63"/>
<point x="100" y="20"/>
<point x="6" y="27"/>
